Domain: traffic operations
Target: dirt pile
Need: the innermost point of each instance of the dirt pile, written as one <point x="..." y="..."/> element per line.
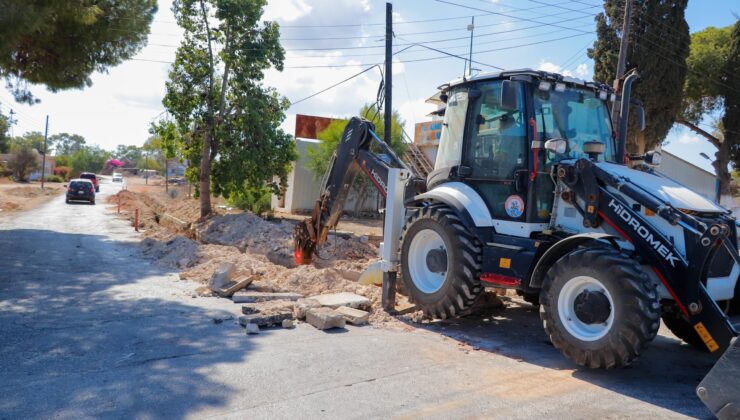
<point x="247" y="232"/>
<point x="178" y="252"/>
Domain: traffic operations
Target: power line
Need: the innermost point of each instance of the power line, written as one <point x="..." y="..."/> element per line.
<point x="334" y="85"/>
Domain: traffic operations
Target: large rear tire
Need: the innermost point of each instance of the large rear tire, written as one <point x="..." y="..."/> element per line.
<point x="599" y="308"/>
<point x="681" y="328"/>
<point x="440" y="262"/>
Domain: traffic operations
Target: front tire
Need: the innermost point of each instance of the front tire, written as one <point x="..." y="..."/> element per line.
<point x="440" y="262"/>
<point x="599" y="308"/>
<point x="681" y="328"/>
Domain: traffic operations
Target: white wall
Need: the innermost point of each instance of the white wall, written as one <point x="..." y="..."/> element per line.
<point x="691" y="176"/>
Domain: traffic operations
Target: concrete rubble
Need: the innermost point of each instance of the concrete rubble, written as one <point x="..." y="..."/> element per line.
<point x="325" y="318"/>
<point x="353" y="316"/>
<point x="248" y="296"/>
<point x="267" y="319"/>
<point x="335" y="300"/>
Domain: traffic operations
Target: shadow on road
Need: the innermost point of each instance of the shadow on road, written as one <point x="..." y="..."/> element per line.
<point x="83" y="332"/>
<point x="665" y="375"/>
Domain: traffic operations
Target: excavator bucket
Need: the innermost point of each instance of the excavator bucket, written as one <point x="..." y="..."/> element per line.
<point x="720" y="389"/>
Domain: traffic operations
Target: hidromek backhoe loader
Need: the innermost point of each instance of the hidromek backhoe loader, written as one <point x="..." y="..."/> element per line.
<point x="530" y="191"/>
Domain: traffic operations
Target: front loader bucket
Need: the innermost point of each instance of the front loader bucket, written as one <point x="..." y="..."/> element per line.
<point x="720" y="389"/>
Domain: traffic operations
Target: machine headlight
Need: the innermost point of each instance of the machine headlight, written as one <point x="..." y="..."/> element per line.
<point x="559" y="87"/>
<point x="545" y="85"/>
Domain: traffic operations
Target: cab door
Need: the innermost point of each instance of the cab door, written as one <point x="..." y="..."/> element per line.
<point x="496" y="151"/>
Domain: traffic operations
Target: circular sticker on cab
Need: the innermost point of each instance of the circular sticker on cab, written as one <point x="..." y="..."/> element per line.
<point x="514" y="206"/>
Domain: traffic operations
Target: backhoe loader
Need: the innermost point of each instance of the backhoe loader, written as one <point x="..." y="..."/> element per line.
<point x="531" y="191"/>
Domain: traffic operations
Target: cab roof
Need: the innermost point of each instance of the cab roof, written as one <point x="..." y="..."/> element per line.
<point x="528" y="73"/>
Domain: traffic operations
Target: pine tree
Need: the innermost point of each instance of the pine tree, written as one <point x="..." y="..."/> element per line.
<point x="658" y="47"/>
<point x="731" y="85"/>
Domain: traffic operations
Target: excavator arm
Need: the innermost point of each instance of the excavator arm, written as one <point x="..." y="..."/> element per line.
<point x="353" y="155"/>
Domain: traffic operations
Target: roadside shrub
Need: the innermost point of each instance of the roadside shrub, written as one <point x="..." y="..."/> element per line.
<point x="54" y="178"/>
<point x="255" y="200"/>
<point x="5" y="171"/>
<point x="63" y="171"/>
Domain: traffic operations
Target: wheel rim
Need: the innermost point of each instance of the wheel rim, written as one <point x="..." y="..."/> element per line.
<point x="567" y="311"/>
<point x="426" y="280"/>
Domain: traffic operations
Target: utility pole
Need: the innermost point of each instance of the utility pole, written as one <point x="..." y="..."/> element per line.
<point x="388" y="297"/>
<point x="388" y="72"/>
<point x="622" y="62"/>
<point x="43" y="154"/>
<point x="471" y="27"/>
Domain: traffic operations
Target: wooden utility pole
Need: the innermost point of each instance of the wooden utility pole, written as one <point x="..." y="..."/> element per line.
<point x="622" y="62"/>
<point x="388" y="73"/>
<point x="471" y="28"/>
<point x="43" y="153"/>
<point x="388" y="297"/>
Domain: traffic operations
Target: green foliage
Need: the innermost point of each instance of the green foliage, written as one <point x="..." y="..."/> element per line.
<point x="65" y="172"/>
<point x="33" y="138"/>
<point x="4" y="137"/>
<point x="63" y="161"/>
<point x="66" y="144"/>
<point x="61" y="43"/>
<point x="658" y="48"/>
<point x="54" y="178"/>
<point x="319" y="157"/>
<point x="129" y="154"/>
<point x="169" y="138"/>
<point x="216" y="96"/>
<point x="24" y="159"/>
<point x="255" y="200"/>
<point x="731" y="81"/>
<point x="88" y="159"/>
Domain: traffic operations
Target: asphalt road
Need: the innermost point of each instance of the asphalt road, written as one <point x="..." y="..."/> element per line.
<point x="90" y="329"/>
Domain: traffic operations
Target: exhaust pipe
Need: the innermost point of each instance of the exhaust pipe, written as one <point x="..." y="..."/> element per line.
<point x="624" y="114"/>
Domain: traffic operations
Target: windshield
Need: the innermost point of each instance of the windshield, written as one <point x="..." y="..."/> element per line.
<point x="450" y="142"/>
<point x="578" y="116"/>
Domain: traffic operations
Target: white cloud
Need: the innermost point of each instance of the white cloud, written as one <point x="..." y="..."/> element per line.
<point x="286" y="10"/>
<point x="553" y="68"/>
<point x="687" y="137"/>
<point x="582" y="71"/>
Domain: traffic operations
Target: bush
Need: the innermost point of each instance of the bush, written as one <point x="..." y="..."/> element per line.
<point x="63" y="171"/>
<point x="54" y="178"/>
<point x="258" y="201"/>
<point x="4" y="171"/>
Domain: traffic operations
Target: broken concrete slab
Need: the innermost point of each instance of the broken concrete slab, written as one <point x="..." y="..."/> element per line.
<point x="303" y="305"/>
<point x="354" y="316"/>
<point x="271" y="305"/>
<point x="173" y="222"/>
<point x="282" y="257"/>
<point x="335" y="300"/>
<point x="266" y="319"/>
<point x="248" y="296"/>
<point x="235" y="286"/>
<point x="221" y="278"/>
<point x="288" y="323"/>
<point x="325" y="318"/>
<point x="252" y="328"/>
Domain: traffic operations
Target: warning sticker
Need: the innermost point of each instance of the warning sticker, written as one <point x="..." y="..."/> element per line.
<point x="706" y="337"/>
<point x="514" y="206"/>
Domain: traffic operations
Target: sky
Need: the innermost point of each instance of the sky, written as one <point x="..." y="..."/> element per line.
<point x="349" y="35"/>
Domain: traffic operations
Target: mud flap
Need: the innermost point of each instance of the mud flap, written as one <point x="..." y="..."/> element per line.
<point x="720" y="389"/>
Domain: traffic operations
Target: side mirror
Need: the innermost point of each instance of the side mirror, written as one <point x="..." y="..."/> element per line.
<point x="653" y="158"/>
<point x="509" y="95"/>
<point x="558" y="146"/>
<point x="443" y="97"/>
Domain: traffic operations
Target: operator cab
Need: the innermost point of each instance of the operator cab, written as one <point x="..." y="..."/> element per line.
<point x="502" y="133"/>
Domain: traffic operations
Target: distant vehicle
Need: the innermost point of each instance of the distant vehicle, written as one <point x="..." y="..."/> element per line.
<point x="117" y="177"/>
<point x="80" y="189"/>
<point x="93" y="178"/>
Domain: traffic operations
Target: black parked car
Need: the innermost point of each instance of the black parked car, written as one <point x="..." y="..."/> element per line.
<point x="81" y="189"/>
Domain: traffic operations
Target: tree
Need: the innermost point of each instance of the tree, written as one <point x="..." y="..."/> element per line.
<point x="705" y="92"/>
<point x="4" y="138"/>
<point x="66" y="144"/>
<point x="230" y="122"/>
<point x="88" y="159"/>
<point x="33" y="138"/>
<point x="657" y="48"/>
<point x="61" y="43"/>
<point x="24" y="159"/>
<point x="169" y="143"/>
<point x="330" y="137"/>
<point x="129" y="154"/>
<point x="731" y="83"/>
